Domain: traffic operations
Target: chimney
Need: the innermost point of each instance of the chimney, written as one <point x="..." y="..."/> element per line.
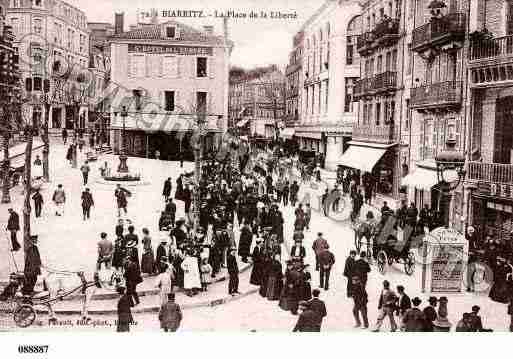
<point x="209" y="30"/>
<point x="119" y="23"/>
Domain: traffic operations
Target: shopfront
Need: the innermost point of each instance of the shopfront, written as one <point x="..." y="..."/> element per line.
<point x="492" y="210"/>
<point x="375" y="159"/>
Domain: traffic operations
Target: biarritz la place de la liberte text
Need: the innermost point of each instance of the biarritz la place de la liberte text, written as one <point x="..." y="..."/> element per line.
<point x="346" y="168"/>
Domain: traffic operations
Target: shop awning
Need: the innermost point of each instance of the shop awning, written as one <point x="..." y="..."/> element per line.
<point x="311" y="135"/>
<point x="362" y="158"/>
<point x="426" y="178"/>
<point x="242" y="123"/>
<point x="287" y="133"/>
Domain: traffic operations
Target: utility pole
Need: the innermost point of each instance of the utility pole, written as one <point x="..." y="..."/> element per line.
<point x="198" y="151"/>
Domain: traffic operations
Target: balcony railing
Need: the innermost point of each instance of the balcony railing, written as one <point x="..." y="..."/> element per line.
<point x="381" y="82"/>
<point x="489" y="48"/>
<point x="370" y="133"/>
<point x="439" y="31"/>
<point x="387" y="28"/>
<point x="436" y="95"/>
<point x="490" y="172"/>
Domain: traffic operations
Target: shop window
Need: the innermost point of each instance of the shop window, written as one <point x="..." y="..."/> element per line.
<point x="201" y="67"/>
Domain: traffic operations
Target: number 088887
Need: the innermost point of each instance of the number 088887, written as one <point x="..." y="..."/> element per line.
<point x="32" y="349"/>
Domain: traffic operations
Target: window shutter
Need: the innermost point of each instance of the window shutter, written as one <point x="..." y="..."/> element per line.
<point x="179" y="62"/>
<point x="160" y="65"/>
<point x="211" y="67"/>
<point x="192" y="67"/>
<point x="422" y="139"/>
<point x="148" y="62"/>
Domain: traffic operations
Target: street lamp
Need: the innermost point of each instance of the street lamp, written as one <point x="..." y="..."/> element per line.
<point x="123" y="167"/>
<point x="449" y="160"/>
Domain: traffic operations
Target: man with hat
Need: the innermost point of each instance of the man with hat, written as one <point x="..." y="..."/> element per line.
<point x="348" y="270"/>
<point x="414" y="319"/>
<point x="170" y="315"/>
<point x="32" y="266"/>
<point x="318" y="306"/>
<point x="124" y="311"/>
<point x="133" y="278"/>
<point x="13" y="226"/>
<point x="233" y="272"/>
<point x="319" y="245"/>
<point x="386" y="306"/>
<point x="475" y="320"/>
<point x="430" y="314"/>
<point x="307" y="320"/>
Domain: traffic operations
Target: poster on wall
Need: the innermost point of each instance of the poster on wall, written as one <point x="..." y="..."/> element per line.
<point x="447" y="269"/>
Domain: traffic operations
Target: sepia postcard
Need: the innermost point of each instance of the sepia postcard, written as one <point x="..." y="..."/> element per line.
<point x="255" y="167"/>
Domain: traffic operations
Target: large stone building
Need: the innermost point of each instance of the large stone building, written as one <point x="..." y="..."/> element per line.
<point x="257" y="101"/>
<point x="381" y="134"/>
<point x="169" y="76"/>
<point x="489" y="186"/>
<point x="294" y="84"/>
<point x="49" y="32"/>
<point x="329" y="68"/>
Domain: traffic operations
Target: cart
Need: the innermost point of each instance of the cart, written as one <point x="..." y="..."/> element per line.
<point x="389" y="250"/>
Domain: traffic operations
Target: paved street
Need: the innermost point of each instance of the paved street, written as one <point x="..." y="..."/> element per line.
<point x="69" y="243"/>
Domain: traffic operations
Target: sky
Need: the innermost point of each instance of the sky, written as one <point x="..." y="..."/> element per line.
<point x="257" y="41"/>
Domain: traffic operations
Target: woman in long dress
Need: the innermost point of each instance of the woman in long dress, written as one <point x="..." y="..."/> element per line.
<point x="275" y="281"/>
<point x="191" y="279"/>
<point x="258" y="262"/>
<point x="147" y="260"/>
<point x="164" y="283"/>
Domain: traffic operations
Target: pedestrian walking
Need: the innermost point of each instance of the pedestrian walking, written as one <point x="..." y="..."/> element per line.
<point x="85" y="169"/>
<point x="64" y="136"/>
<point x="404" y="303"/>
<point x="307" y="320"/>
<point x="170" y="315"/>
<point x="318" y="307"/>
<point x="105" y="252"/>
<point x="413" y="319"/>
<point x="147" y="258"/>
<point x="164" y="282"/>
<point x="326" y="262"/>
<point x="87" y="203"/>
<point x="308" y="216"/>
<point x="13" y="226"/>
<point x="387" y="303"/>
<point x="430" y="314"/>
<point x="360" y="300"/>
<point x="124" y="311"/>
<point x="349" y="271"/>
<point x="133" y="278"/>
<point x="233" y="272"/>
<point x="362" y="268"/>
<point x="166" y="191"/>
<point x="121" y="195"/>
<point x="38" y="202"/>
<point x="59" y="199"/>
<point x="319" y="245"/>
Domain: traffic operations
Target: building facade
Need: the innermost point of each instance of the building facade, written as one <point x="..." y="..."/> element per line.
<point x="169" y="76"/>
<point x="49" y="32"/>
<point x="489" y="189"/>
<point x="257" y="101"/>
<point x="380" y="134"/>
<point x="294" y="82"/>
<point x="435" y="74"/>
<point x="329" y="68"/>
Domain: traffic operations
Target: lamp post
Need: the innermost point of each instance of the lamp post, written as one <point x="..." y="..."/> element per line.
<point x="449" y="160"/>
<point x="197" y="148"/>
<point x="123" y="167"/>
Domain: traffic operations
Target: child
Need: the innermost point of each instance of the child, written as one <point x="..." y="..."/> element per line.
<point x="206" y="271"/>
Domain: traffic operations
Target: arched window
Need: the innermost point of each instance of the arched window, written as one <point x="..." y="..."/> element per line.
<point x="352" y="26"/>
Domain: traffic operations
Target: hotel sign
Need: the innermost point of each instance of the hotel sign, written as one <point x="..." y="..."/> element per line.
<point x="496" y="190"/>
<point x="172" y="50"/>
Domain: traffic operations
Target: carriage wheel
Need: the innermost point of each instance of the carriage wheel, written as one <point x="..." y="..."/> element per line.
<point x="357" y="243"/>
<point x="409" y="263"/>
<point x="382" y="261"/>
<point x="24" y="316"/>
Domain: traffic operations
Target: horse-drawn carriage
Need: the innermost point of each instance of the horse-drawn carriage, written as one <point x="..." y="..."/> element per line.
<point x="23" y="306"/>
<point x="383" y="246"/>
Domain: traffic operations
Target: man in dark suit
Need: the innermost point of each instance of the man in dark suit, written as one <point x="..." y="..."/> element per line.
<point x="170" y="315"/>
<point x="132" y="277"/>
<point x="348" y="270"/>
<point x="124" y="311"/>
<point x="13" y="226"/>
<point x="360" y="300"/>
<point x="326" y="262"/>
<point x="307" y="321"/>
<point x="430" y="314"/>
<point x="361" y="268"/>
<point x="318" y="306"/>
<point x="233" y="272"/>
<point x="404" y="302"/>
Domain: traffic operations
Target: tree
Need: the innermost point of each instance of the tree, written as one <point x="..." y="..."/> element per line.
<point x="30" y="125"/>
<point x="10" y="122"/>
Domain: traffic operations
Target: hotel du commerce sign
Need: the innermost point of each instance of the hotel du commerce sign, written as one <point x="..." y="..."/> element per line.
<point x="170" y="49"/>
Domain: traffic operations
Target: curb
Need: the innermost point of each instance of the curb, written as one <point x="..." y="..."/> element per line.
<point x="153" y="309"/>
<point x="143" y="293"/>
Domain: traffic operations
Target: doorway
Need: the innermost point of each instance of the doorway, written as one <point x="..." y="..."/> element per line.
<point x="503" y="136"/>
